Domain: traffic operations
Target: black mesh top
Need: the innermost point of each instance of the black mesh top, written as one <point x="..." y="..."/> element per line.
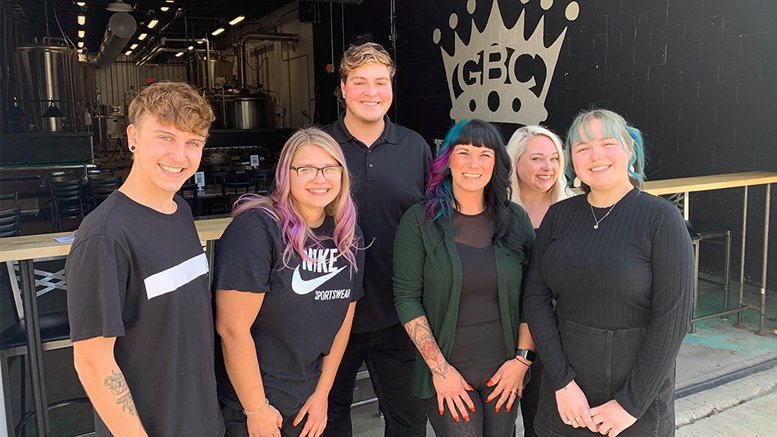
<point x="478" y="342"/>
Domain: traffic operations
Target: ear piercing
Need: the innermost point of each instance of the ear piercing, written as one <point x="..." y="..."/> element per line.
<point x="132" y="148"/>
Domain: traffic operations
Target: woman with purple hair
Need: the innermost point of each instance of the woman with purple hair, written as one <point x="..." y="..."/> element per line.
<point x="459" y="260"/>
<point x="288" y="272"/>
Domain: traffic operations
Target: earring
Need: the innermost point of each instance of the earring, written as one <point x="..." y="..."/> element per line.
<point x="631" y="168"/>
<point x="132" y="148"/>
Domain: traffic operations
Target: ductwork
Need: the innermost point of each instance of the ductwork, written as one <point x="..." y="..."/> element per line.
<point x="257" y="36"/>
<point x="120" y="29"/>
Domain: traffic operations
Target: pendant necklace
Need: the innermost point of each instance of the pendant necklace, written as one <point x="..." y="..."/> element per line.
<point x="596" y="225"/>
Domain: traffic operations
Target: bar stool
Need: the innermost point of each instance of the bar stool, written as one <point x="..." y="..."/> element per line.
<point x="263" y="177"/>
<point x="244" y="187"/>
<point x="194" y="189"/>
<point x="101" y="188"/>
<point x="695" y="240"/>
<point x="66" y="201"/>
<point x="54" y="333"/>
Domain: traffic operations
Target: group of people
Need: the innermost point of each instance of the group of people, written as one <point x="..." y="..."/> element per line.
<point x="468" y="284"/>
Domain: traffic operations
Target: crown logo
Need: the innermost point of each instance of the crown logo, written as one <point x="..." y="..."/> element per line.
<point x="502" y="76"/>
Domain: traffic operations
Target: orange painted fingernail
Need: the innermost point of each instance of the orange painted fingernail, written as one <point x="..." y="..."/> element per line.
<point x="470" y="388"/>
<point x="489" y="383"/>
<point x="508" y="409"/>
<point x="295" y="422"/>
<point x="520" y="395"/>
<point x="466" y="418"/>
<point x="497" y="409"/>
<point x="440" y="412"/>
<point x="472" y="409"/>
<point x="488" y="400"/>
<point x="456" y="419"/>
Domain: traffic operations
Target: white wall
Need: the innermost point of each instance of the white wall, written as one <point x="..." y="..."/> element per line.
<point x="292" y="83"/>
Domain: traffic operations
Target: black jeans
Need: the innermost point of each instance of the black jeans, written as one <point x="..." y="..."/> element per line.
<point x="603" y="360"/>
<point x="484" y="421"/>
<point x="531" y="398"/>
<point x="390" y="356"/>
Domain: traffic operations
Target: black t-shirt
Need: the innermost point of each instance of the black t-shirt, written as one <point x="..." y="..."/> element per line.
<point x="303" y="309"/>
<point x="141" y="276"/>
<point x="387" y="178"/>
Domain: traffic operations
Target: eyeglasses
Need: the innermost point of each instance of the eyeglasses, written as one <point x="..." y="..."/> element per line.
<point x="309" y="173"/>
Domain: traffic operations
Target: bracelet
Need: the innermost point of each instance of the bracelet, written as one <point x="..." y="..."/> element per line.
<point x="266" y="404"/>
<point x="527" y="365"/>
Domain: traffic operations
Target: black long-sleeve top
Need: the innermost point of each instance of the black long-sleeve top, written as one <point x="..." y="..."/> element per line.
<point x="635" y="270"/>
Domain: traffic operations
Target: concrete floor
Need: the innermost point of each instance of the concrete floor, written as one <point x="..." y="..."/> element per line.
<point x="716" y="349"/>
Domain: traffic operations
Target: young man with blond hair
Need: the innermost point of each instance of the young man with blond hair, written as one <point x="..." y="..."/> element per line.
<point x="389" y="166"/>
<point x="138" y="297"/>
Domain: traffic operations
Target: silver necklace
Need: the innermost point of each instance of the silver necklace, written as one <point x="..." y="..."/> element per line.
<point x="596" y="225"/>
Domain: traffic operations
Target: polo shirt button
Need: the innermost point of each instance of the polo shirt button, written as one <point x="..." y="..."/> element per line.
<point x="369" y="151"/>
<point x="370" y="165"/>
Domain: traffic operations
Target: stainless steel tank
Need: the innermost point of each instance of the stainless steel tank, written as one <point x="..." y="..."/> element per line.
<point x="45" y="75"/>
<point x="241" y="109"/>
<point x="218" y="68"/>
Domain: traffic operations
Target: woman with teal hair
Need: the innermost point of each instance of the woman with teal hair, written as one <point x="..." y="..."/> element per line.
<point x="620" y="265"/>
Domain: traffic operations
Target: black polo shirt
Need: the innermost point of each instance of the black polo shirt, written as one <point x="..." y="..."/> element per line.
<point x="387" y="178"/>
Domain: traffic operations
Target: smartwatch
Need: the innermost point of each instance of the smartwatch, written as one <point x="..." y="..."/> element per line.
<point x="526" y="354"/>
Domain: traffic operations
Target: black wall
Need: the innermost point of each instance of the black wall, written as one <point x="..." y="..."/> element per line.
<point x="698" y="77"/>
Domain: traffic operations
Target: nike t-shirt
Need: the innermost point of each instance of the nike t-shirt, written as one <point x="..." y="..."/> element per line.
<point x="303" y="309"/>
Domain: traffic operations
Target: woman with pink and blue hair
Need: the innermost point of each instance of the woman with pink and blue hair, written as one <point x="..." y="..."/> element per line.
<point x="459" y="260"/>
<point x="288" y="272"/>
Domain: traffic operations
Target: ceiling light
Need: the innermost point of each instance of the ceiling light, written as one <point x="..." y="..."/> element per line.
<point x="128" y="52"/>
<point x="82" y="4"/>
<point x="164" y="8"/>
<point x="119" y="6"/>
<point x="81" y="33"/>
<point x="200" y="41"/>
<point x="153" y="23"/>
<point x="80" y="50"/>
<point x="142" y="36"/>
<point x="191" y="47"/>
<point x="134" y="46"/>
<point x="82" y="19"/>
<point x="179" y="54"/>
<point x="169" y="1"/>
<point x="237" y="20"/>
<point x="80" y="43"/>
<point x="217" y="31"/>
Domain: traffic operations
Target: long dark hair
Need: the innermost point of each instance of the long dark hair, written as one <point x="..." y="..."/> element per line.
<point x="439" y="200"/>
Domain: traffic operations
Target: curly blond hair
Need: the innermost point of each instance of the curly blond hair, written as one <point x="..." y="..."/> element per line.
<point x="174" y="104"/>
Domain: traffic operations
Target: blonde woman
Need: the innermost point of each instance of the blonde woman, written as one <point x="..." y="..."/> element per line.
<point x="538" y="181"/>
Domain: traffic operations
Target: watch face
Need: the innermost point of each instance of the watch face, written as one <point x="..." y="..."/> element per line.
<point x="525" y="353"/>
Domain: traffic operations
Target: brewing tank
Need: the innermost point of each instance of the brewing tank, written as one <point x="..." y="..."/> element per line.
<point x="44" y="75"/>
<point x="241" y="109"/>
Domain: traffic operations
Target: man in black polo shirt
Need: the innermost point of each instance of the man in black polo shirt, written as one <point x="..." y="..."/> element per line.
<point x="390" y="165"/>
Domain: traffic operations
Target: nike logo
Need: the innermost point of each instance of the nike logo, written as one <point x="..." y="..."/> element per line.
<point x="303" y="287"/>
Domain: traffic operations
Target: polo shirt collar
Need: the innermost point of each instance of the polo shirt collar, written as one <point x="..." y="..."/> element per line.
<point x="341" y="134"/>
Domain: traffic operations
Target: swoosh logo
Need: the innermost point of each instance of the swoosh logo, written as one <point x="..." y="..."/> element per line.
<point x="302" y="287"/>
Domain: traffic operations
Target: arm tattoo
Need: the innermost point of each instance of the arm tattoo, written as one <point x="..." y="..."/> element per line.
<point x="422" y="336"/>
<point x="127" y="404"/>
<point x="118" y="387"/>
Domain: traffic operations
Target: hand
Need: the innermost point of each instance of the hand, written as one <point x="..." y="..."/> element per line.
<point x="265" y="424"/>
<point x="509" y="383"/>
<point x="573" y="407"/>
<point x="611" y="418"/>
<point x="452" y="390"/>
<point x="315" y="408"/>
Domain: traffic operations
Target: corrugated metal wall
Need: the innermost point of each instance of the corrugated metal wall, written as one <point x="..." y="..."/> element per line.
<point x="119" y="83"/>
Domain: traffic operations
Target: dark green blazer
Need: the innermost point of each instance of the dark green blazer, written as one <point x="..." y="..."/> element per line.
<point x="427" y="282"/>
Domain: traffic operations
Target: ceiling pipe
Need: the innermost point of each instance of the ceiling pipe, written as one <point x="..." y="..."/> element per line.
<point x="257" y="36"/>
<point x="120" y="29"/>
